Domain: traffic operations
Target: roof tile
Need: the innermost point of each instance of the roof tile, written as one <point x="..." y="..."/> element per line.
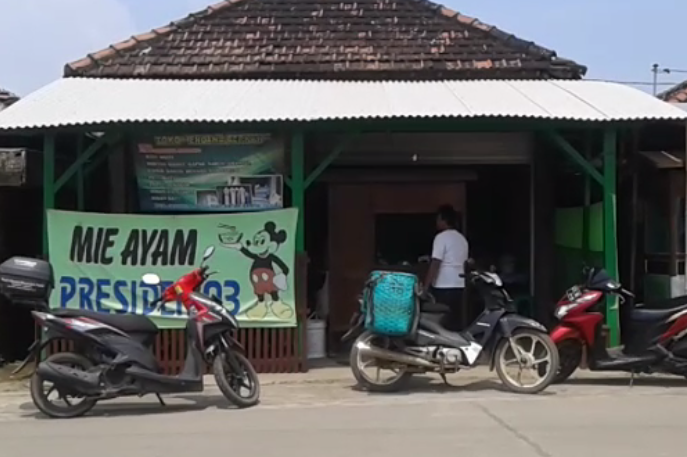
<point x="312" y="38"/>
<point x="7" y="98"/>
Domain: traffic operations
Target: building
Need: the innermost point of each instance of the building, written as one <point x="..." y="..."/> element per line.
<point x="663" y="201"/>
<point x="388" y="109"/>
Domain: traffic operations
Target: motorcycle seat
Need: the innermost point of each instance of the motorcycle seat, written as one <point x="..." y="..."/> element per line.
<point x="432" y="325"/>
<point x="666" y="303"/>
<point x="128" y="323"/>
<point x="654" y="315"/>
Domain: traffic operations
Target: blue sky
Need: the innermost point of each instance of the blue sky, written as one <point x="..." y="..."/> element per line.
<point x="616" y="39"/>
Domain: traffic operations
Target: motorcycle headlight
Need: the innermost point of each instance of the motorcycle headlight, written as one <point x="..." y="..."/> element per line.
<point x="561" y="311"/>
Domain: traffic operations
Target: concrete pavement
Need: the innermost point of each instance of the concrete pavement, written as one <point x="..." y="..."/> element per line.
<point x="328" y="417"/>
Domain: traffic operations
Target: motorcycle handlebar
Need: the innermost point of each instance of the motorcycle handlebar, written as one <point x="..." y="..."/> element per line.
<point x="627" y="292"/>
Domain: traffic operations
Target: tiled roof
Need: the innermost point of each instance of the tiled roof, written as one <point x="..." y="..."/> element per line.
<point x="6" y="98"/>
<point x="341" y="39"/>
<point x="676" y="94"/>
<point x="98" y="102"/>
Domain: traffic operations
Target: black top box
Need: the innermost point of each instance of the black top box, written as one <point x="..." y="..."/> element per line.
<point x="26" y="281"/>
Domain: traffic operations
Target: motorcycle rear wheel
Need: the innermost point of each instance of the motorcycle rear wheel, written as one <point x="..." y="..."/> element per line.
<point x="230" y="383"/>
<point x="397" y="383"/>
<point x="541" y="340"/>
<point x="40" y="397"/>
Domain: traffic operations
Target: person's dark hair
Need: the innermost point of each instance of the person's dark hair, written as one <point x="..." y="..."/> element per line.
<point x="448" y="215"/>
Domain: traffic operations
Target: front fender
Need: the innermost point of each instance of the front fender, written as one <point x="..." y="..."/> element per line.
<point x="564" y="332"/>
<point x="234" y="343"/>
<point x="509" y="324"/>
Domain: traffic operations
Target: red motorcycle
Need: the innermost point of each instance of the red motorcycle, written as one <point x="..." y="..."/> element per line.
<point x="655" y="338"/>
<point x="113" y="354"/>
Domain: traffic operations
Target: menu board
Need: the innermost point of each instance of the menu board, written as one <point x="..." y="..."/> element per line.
<point x="210" y="172"/>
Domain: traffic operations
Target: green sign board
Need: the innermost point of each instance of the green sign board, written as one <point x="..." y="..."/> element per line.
<point x="222" y="172"/>
<point x="99" y="260"/>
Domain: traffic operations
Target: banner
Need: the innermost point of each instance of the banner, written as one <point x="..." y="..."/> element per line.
<point x="99" y="260"/>
<point x="224" y="172"/>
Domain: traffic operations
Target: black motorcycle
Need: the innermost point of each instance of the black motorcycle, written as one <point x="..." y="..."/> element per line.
<point x="499" y="338"/>
<point x="113" y="354"/>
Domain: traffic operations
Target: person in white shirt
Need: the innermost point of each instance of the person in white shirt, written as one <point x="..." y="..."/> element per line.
<point x="445" y="279"/>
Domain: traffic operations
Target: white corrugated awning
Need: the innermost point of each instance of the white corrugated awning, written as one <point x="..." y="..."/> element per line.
<point x="91" y="101"/>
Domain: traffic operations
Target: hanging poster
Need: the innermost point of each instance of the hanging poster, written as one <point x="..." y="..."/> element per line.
<point x="99" y="260"/>
<point x="213" y="172"/>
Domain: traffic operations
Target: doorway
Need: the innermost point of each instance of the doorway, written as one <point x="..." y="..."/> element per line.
<point x="380" y="226"/>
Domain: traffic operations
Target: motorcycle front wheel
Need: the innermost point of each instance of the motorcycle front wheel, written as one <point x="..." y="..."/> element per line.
<point x="534" y="355"/>
<point x="374" y="382"/>
<point x="237" y="379"/>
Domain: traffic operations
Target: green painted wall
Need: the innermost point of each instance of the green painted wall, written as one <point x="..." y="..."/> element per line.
<point x="570" y="256"/>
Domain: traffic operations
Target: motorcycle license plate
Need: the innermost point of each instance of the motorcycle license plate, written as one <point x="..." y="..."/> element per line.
<point x="573" y="293"/>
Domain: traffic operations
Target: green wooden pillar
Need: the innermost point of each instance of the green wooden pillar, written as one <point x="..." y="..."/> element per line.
<point x="79" y="175"/>
<point x="610" y="141"/>
<point x="298" y="186"/>
<point x="298" y="201"/>
<point x="586" y="248"/>
<point x="48" y="184"/>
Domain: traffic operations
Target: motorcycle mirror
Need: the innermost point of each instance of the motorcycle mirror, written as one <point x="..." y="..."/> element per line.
<point x="151" y="279"/>
<point x="208" y="252"/>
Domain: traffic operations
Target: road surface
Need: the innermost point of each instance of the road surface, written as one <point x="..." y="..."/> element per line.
<point x="602" y="418"/>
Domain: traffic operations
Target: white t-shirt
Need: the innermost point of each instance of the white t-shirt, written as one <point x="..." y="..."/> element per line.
<point x="451" y="248"/>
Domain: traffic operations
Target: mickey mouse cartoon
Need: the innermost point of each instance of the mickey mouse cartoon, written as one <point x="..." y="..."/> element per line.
<point x="266" y="279"/>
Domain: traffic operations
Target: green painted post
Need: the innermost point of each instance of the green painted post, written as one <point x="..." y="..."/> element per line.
<point x="79" y="175"/>
<point x="586" y="248"/>
<point x="298" y="187"/>
<point x="48" y="184"/>
<point x="298" y="201"/>
<point x="610" y="230"/>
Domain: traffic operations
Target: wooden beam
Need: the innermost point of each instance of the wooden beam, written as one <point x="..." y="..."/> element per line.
<point x="576" y="157"/>
<point x="105" y="140"/>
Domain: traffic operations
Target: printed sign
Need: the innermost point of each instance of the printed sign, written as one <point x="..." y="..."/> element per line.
<point x="224" y="172"/>
<point x="99" y="260"/>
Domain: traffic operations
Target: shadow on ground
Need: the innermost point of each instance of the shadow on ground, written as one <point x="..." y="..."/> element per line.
<point x="433" y="385"/>
<point x="639" y="381"/>
<point x="192" y="403"/>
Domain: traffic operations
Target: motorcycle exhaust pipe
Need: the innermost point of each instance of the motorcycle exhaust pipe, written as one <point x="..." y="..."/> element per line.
<point x="72" y="378"/>
<point x="400" y="357"/>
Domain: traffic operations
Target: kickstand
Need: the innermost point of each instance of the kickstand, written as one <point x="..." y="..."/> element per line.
<point x="443" y="376"/>
<point x="159" y="398"/>
<point x="632" y="378"/>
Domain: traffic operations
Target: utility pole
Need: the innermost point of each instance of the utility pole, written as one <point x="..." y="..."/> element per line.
<point x="656" y="69"/>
